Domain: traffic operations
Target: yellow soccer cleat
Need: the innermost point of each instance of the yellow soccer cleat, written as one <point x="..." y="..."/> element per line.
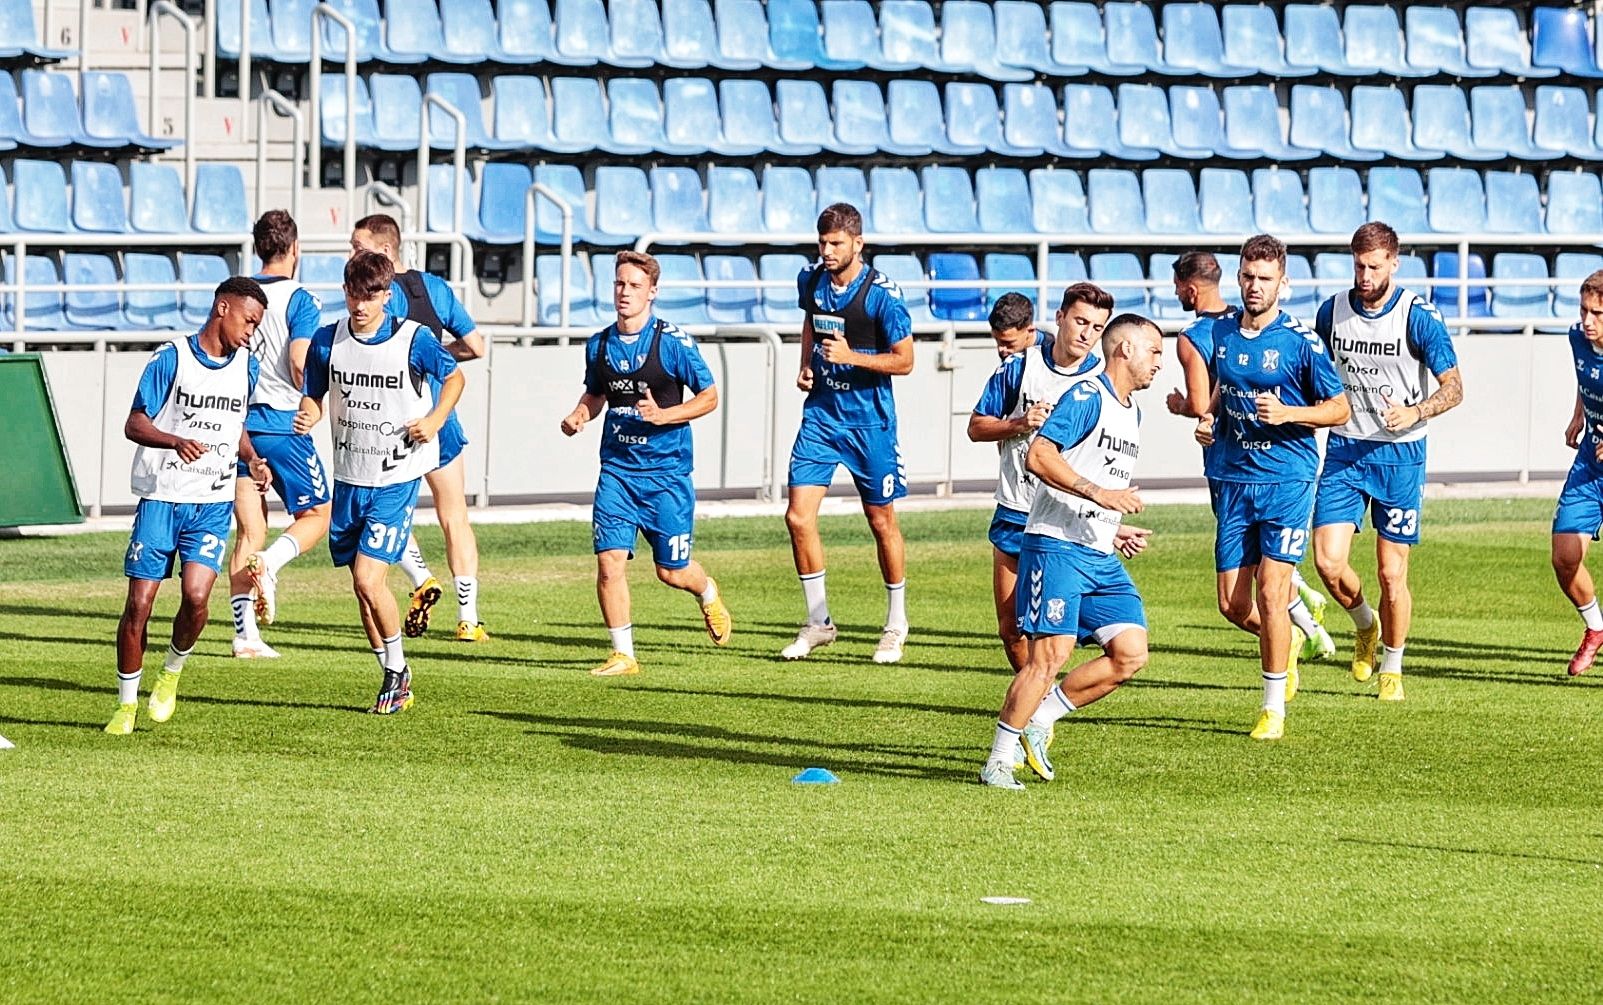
<point x="1293" y="678"/>
<point x="163" y="697"/>
<point x="1391" y="687"/>
<point x="720" y="625"/>
<point x="1365" y="643"/>
<point x="471" y="633"/>
<point x="617" y="665"/>
<point x="417" y="612"/>
<point x="122" y="723"/>
<point x="1271" y="726"/>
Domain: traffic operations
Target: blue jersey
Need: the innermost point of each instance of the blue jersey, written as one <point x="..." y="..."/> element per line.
<point x="302" y="317"/>
<point x="156" y="382"/>
<point x="453" y="316"/>
<point x="1200" y="333"/>
<point x="427" y="360"/>
<point x="1287" y="360"/>
<point x="1589" y="384"/>
<point x="847" y="395"/>
<point x="1001" y="394"/>
<point x="628" y="442"/>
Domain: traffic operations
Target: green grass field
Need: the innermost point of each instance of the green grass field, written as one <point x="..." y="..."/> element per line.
<point x="528" y="833"/>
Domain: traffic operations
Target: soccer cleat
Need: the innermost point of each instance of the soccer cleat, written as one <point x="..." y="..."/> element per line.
<point x="1271" y="726"/>
<point x="266" y="587"/>
<point x="1591" y="642"/>
<point x="1019" y="760"/>
<point x="1293" y="677"/>
<point x="417" y="612"/>
<point x="163" y="697"/>
<point x="719" y="623"/>
<point x="122" y="722"/>
<point x="1391" y="687"/>
<point x="999" y="775"/>
<point x="809" y="638"/>
<point x="1036" y="741"/>
<point x="253" y="649"/>
<point x="1319" y="645"/>
<point x="890" y="645"/>
<point x="1314" y="601"/>
<point x="1367" y="640"/>
<point x="617" y="665"/>
<point x="396" y="693"/>
<point x="471" y="633"/>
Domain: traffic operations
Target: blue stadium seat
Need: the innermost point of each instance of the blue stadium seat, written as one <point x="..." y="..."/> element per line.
<point x="155" y="308"/>
<point x="1252" y="122"/>
<point x="1445" y="265"/>
<point x="1302" y="302"/>
<point x="907" y="36"/>
<point x="1457" y="200"/>
<point x="370" y="47"/>
<point x="1115" y="199"/>
<point x="1442" y="122"/>
<point x="948" y="200"/>
<point x="1319" y="122"/>
<point x="91" y="308"/>
<point x="1561" y="38"/>
<point x="1397" y="196"/>
<point x="840" y="184"/>
<point x="19" y="35"/>
<point x="1335" y="200"/>
<point x="1278" y="204"/>
<point x="209" y="270"/>
<point x="1513" y="203"/>
<point x="1381" y="122"/>
<point x="1252" y="39"/>
<point x="796" y="36"/>
<point x="579" y="118"/>
<point x="292" y="31"/>
<point x="678" y="205"/>
<point x="690" y="113"/>
<point x="98" y="205"/>
<point x="1436" y="39"/>
<point x="1003" y="196"/>
<point x="50" y="111"/>
<point x="1197" y="122"/>
<point x="1121" y="266"/>
<point x="1192" y="41"/>
<point x="39" y="197"/>
<point x="974" y="122"/>
<point x="603" y="271"/>
<point x="525" y="32"/>
<point x="749" y="124"/>
<point x="1375" y="42"/>
<point x="1091" y="124"/>
<point x="1017" y="271"/>
<point x="1132" y="35"/>
<point x="637" y="36"/>
<point x="1144" y="122"/>
<point x="1574" y="203"/>
<point x="690" y="38"/>
<point x="1520" y="301"/>
<point x="733" y="201"/>
<point x="1062" y="269"/>
<point x="441" y="209"/>
<point x="851" y="35"/>
<point x="414" y="33"/>
<point x="1078" y="43"/>
<point x="1563" y="124"/>
<point x="461" y="91"/>
<point x="733" y="305"/>
<point x="895" y="201"/>
<point x="1494" y="39"/>
<point x="1057" y="202"/>
<point x="623" y="203"/>
<point x="636" y="117"/>
<point x="1313" y="38"/>
<point x="686" y="305"/>
<point x="521" y="115"/>
<point x="1224" y="200"/>
<point x="1021" y="36"/>
<point x="43" y="309"/>
<point x="1030" y="119"/>
<point x="12" y="132"/>
<point x="397" y="109"/>
<point x="494" y="210"/>
<point x="502" y="195"/>
<point x="1500" y="123"/>
<point x="915" y="117"/>
<point x="904" y="271"/>
<point x="788" y="205"/>
<point x="1171" y="201"/>
<point x="156" y="199"/>
<point x="468" y="32"/>
<point x="1572" y="266"/>
<point x="743" y="34"/>
<point x="583" y="34"/>
<point x="804" y="119"/>
<point x="1334" y="272"/>
<point x="581" y="292"/>
<point x="861" y="119"/>
<point x="956" y="303"/>
<point x="968" y="42"/>
<point x="779" y="302"/>
<point x="1410" y="271"/>
<point x="109" y="113"/>
<point x="1165" y="305"/>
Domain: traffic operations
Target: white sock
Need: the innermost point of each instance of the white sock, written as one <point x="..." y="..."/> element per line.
<point x="394" y="659"/>
<point x="412" y="563"/>
<point x="1364" y="615"/>
<point x="817" y="605"/>
<point x="623" y="639"/>
<point x="1004" y="743"/>
<point x="896" y="605"/>
<point x="1274" y="692"/>
<point x="1592" y="616"/>
<point x="467" y="599"/>
<point x="1298" y="584"/>
<point x="281" y="552"/>
<point x="244" y="617"/>
<point x="127" y="687"/>
<point x="1053" y="707"/>
<point x="1300" y="616"/>
<point x="175" y="659"/>
<point x="378" y="654"/>
<point x="1391" y="660"/>
<point x="710" y="594"/>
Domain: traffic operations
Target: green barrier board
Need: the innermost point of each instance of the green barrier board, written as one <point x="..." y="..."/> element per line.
<point x="35" y="479"/>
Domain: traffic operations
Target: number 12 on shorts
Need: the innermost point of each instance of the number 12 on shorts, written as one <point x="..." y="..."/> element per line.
<point x="1293" y="540"/>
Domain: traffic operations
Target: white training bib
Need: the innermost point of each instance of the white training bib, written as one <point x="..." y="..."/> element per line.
<point x="375" y="394"/>
<point x="1015" y="486"/>
<point x="275" y="386"/>
<point x="1107" y="458"/>
<point x="205" y="404"/>
<point x="1375" y="362"/>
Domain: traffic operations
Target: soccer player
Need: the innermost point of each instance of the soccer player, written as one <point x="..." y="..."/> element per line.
<point x="1579" y="516"/>
<point x="1276" y="385"/>
<point x="1012" y="321"/>
<point x="1078" y="589"/>
<point x="1015" y="403"/>
<point x="1196" y="286"/>
<point x="428" y="300"/>
<point x="386" y="423"/>
<point x="639" y="368"/>
<point x="188" y="419"/>
<point x="1383" y="340"/>
<point x="856" y="336"/>
<point x="292" y="317"/>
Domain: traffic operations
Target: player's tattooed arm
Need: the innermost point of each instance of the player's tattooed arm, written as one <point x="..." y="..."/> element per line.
<point x="1449" y="393"/>
<point x="1046" y="462"/>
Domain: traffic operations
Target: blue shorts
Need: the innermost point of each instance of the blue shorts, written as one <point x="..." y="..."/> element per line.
<point x="194" y="532"/>
<point x="452" y="440"/>
<point x="661" y="507"/>
<point x="870" y="454"/>
<point x="1580" y="503"/>
<point x="1007" y="530"/>
<point x="298" y="475"/>
<point x="1258" y="521"/>
<point x="1394" y="494"/>
<point x="1069" y="589"/>
<point x="372" y="520"/>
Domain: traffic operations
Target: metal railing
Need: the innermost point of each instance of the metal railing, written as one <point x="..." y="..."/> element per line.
<point x="158" y="10"/>
<point x="534" y="192"/>
<point x="459" y="161"/>
<point x="321" y="12"/>
<point x="277" y="102"/>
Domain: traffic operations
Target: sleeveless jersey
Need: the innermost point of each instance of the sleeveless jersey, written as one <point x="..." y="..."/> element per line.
<point x="270" y="345"/>
<point x="376" y="395"/>
<point x="1015" y="486"/>
<point x="206" y="404"/>
<point x="1105" y="454"/>
<point x="1375" y="362"/>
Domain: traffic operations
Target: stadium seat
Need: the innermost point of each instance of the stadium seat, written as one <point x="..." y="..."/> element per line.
<point x="1015" y="270"/>
<point x="748" y="114"/>
<point x="956" y="303"/>
<point x="582" y="34"/>
<point x="835" y="184"/>
<point x="1500" y="123"/>
<point x="1278" y="205"/>
<point x="461" y="92"/>
<point x="579" y="118"/>
<point x="1381" y="122"/>
<point x="209" y="270"/>
<point x="637" y="37"/>
<point x="968" y="42"/>
<point x="413" y="31"/>
<point x="733" y="201"/>
<point x="1333" y="272"/>
<point x="109" y="113"/>
<point x="603" y="271"/>
<point x="1335" y="200"/>
<point x="905" y="271"/>
<point x="1144" y="122"/>
<point x="623" y="203"/>
<point x="155" y="308"/>
<point x="1445" y="265"/>
<point x="1563" y="124"/>
<point x="1165" y="305"/>
<point x="851" y="35"/>
<point x="1313" y="38"/>
<point x="796" y="36"/>
<point x="1442" y="122"/>
<point x="525" y="32"/>
<point x="1513" y="203"/>
<point x="521" y="115"/>
<point x="1132" y="35"/>
<point x="1397" y="197"/>
<point x="1436" y="39"/>
<point x="1003" y="198"/>
<point x="1375" y="42"/>
<point x="779" y="302"/>
<point x="895" y="201"/>
<point x="1091" y="124"/>
<point x="1457" y="200"/>
<point x="156" y="199"/>
<point x="690" y="118"/>
<point x="19" y="34"/>
<point x="687" y="304"/>
<point x="1302" y="301"/>
<point x="804" y="119"/>
<point x="732" y="305"/>
<point x="1197" y="122"/>
<point x="1252" y="39"/>
<point x="581" y="292"/>
<point x="469" y="33"/>
<point x="1520" y="301"/>
<point x="39" y="197"/>
<point x="1252" y="122"/>
<point x="292" y="32"/>
<point x="1319" y="122"/>
<point x="678" y="205"/>
<point x="1171" y="201"/>
<point x="91" y="308"/>
<point x="12" y="132"/>
<point x="1192" y="42"/>
<point x="370" y="47"/>
<point x="1115" y="199"/>
<point x="1574" y="267"/>
<point x="1030" y="120"/>
<point x="948" y="200"/>
<point x="915" y="118"/>
<point x="1021" y="36"/>
<point x="907" y="36"/>
<point x="1495" y="40"/>
<point x="1574" y="203"/>
<point x="397" y="110"/>
<point x="1224" y="200"/>
<point x="43" y="309"/>
<point x="1561" y="38"/>
<point x="1116" y="267"/>
<point x="861" y="119"/>
<point x="503" y="194"/>
<point x="636" y="118"/>
<point x="974" y="122"/>
<point x="1078" y="42"/>
<point x="323" y="275"/>
<point x="788" y="200"/>
<point x="743" y="35"/>
<point x="50" y="111"/>
<point x="1057" y="202"/>
<point x="97" y="198"/>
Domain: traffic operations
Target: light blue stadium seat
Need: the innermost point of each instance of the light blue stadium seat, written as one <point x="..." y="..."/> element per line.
<point x="1574" y="203"/>
<point x="1513" y="204"/>
<point x="413" y="31"/>
<point x="685" y="305"/>
<point x="98" y="205"/>
<point x="1063" y="268"/>
<point x="1319" y="122"/>
<point x="804" y="119"/>
<point x="908" y="38"/>
<point x="397" y="109"/>
<point x="1278" y="204"/>
<point x="492" y="213"/>
<point x="469" y="33"/>
<point x="916" y="120"/>
<point x="1197" y="122"/>
<point x="153" y="309"/>
<point x="1021" y="36"/>
<point x="637" y="36"/>
<point x="1335" y="200"/>
<point x="581" y="291"/>
<point x="370" y="45"/>
<point x="1500" y="123"/>
<point x="323" y="275"/>
<point x="1442" y="122"/>
<point x="1375" y="42"/>
<point x="1229" y="285"/>
<point x="210" y="270"/>
<point x="1397" y="196"/>
<point x="1457" y="200"/>
<point x="623" y="203"/>
<point x="460" y="91"/>
<point x="974" y="122"/>
<point x="690" y="113"/>
<point x="603" y="271"/>
<point x="1252" y="39"/>
<point x="12" y="131"/>
<point x="521" y="115"/>
<point x="499" y="190"/>
<point x="895" y="201"/>
<point x="1144" y="122"/>
<point x="840" y="184"/>
<point x="733" y="202"/>
<point x="862" y="120"/>
<point x="1494" y="39"/>
<point x="779" y="302"/>
<point x="1334" y="272"/>
<point x="1030" y="120"/>
<point x="748" y="113"/>
<point x="636" y="117"/>
<point x="1171" y="201"/>
<point x="690" y="37"/>
<point x="904" y="271"/>
<point x="1563" y="124"/>
<point x="1132" y="35"/>
<point x="579" y="117"/>
<point x="1079" y="44"/>
<point x="788" y="205"/>
<point x="50" y="111"/>
<point x="43" y="309"/>
<point x="582" y="33"/>
<point x="1571" y="266"/>
<point x="1520" y="301"/>
<point x="948" y="200"/>
<point x="1313" y="38"/>
<point x="1165" y="304"/>
<point x="1252" y="122"/>
<point x="156" y="199"/>
<point x="1091" y="124"/>
<point x="1003" y="198"/>
<point x="851" y="34"/>
<point x="39" y="197"/>
<point x="956" y="303"/>
<point x="1192" y="41"/>
<point x="1302" y="302"/>
<point x="1561" y="37"/>
<point x="1445" y="265"/>
<point x="1018" y="271"/>
<point x="678" y="205"/>
<point x="109" y="113"/>
<point x="1381" y="122"/>
<point x="442" y="201"/>
<point x="732" y="305"/>
<point x="525" y="32"/>
<point x="1115" y="199"/>
<point x="796" y="36"/>
<point x="968" y="41"/>
<point x="1057" y="202"/>
<point x="292" y="31"/>
<point x="1224" y="200"/>
<point x="1120" y="266"/>
<point x="1436" y="39"/>
<point x="743" y="34"/>
<point x="91" y="308"/>
<point x="19" y="35"/>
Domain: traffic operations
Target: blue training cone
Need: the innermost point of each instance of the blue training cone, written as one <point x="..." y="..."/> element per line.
<point x="816" y="776"/>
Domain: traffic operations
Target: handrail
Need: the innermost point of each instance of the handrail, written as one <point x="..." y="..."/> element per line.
<point x="539" y="189"/>
<point x="459" y="166"/>
<point x="283" y="106"/>
<point x="384" y="193"/>
<point x="169" y="9"/>
<point x="314" y="83"/>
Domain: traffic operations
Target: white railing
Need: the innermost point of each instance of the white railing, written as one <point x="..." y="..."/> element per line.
<point x="158" y="10"/>
<point x="314" y="82"/>
<point x="277" y="102"/>
<point x="459" y="161"/>
<point x="530" y="197"/>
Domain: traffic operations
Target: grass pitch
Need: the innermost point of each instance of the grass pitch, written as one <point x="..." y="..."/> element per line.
<point x="528" y="833"/>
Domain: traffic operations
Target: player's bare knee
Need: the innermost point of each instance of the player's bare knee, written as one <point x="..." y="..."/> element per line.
<point x="799" y="521"/>
<point x="882" y="522"/>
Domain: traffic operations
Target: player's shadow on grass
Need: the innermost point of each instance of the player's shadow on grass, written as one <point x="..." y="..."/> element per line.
<point x="1491" y="852"/>
<point x="1168" y="722"/>
<point x="819" y="699"/>
<point x="869" y="631"/>
<point x="34" y="611"/>
<point x="56" y="684"/>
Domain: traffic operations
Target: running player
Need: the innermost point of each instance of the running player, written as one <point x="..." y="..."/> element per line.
<point x="855" y="337"/>
<point x="1015" y="403"/>
<point x="1383" y="340"/>
<point x="1580" y="505"/>
<point x="639" y="368"/>
<point x="188" y="419"/>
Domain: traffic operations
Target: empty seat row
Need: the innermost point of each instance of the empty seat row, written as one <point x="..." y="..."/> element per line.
<point x="97" y="202"/>
<point x="51" y="113"/>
